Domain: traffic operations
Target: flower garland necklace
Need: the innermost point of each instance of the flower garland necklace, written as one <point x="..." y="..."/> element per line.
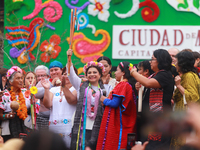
<point x="89" y="97"/>
<point x="22" y="111"/>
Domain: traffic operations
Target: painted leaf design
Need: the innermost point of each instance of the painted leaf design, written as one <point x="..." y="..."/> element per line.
<point x="117" y="1"/>
<point x="196" y="3"/>
<point x="185" y="5"/>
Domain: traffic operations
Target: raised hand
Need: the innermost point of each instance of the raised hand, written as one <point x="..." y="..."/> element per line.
<point x="45" y="83"/>
<point x="69" y="52"/>
<point x="54" y="81"/>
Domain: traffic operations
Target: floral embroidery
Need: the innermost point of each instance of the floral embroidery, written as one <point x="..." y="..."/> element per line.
<point x="27" y="94"/>
<point x="50" y="49"/>
<point x="6" y="99"/>
<point x="55" y="122"/>
<point x="6" y="94"/>
<point x="65" y="121"/>
<point x="99" y="7"/>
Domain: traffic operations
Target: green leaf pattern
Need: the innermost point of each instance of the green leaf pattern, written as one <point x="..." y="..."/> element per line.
<point x="185" y="5"/>
<point x="196" y="3"/>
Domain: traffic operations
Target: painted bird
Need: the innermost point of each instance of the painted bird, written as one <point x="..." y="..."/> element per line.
<point x="27" y="36"/>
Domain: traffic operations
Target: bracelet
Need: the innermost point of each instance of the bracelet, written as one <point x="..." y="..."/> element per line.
<point x="4" y="116"/>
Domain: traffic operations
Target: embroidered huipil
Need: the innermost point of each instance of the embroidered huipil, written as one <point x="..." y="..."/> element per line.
<point x="5" y="105"/>
<point x="60" y="120"/>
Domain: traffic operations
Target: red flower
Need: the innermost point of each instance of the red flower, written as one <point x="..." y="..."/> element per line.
<point x="50" y="49"/>
<point x="27" y="93"/>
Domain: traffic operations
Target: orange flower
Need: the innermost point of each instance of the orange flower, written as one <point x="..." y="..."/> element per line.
<point x="22" y="111"/>
<point x="50" y="49"/>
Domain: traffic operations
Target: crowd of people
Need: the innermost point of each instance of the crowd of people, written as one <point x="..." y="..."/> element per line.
<point x="145" y="106"/>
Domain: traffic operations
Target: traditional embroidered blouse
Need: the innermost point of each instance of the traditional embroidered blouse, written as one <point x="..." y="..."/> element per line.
<point x="6" y="100"/>
<point x="5" y="105"/>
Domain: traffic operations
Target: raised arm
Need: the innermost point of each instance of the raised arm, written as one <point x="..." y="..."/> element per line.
<point x="73" y="78"/>
<point x="149" y="83"/>
<point x="48" y="96"/>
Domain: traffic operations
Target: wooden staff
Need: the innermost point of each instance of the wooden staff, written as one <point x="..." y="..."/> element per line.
<point x="33" y="107"/>
<point x="72" y="24"/>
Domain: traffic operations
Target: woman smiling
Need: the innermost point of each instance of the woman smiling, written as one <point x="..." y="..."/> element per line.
<point x="89" y="110"/>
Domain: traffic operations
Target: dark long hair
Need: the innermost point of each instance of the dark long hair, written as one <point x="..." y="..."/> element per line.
<point x="146" y="66"/>
<point x="163" y="58"/>
<point x="125" y="69"/>
<point x="104" y="58"/>
<point x="186" y="62"/>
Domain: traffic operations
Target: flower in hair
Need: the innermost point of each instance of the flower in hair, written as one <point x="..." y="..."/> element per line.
<point x="93" y="63"/>
<point x="12" y="70"/>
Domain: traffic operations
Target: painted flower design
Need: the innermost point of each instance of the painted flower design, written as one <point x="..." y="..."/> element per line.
<point x="99" y="7"/>
<point x="50" y="49"/>
<point x="33" y="90"/>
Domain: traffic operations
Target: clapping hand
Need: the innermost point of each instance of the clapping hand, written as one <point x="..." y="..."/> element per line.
<point x="45" y="83"/>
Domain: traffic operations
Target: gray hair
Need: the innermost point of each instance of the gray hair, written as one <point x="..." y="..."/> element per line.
<point x="11" y="78"/>
<point x="42" y="67"/>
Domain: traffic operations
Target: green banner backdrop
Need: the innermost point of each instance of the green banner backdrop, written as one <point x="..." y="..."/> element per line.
<point x="25" y="43"/>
